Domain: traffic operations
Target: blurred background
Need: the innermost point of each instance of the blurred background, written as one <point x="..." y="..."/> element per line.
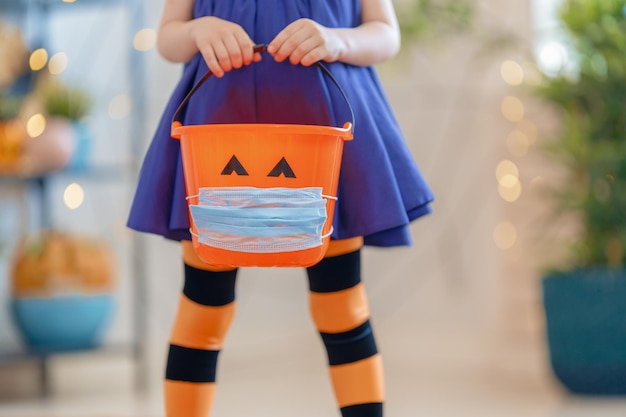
<point x="513" y="110"/>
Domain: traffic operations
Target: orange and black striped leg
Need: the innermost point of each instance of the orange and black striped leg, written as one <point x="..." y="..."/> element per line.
<point x="205" y="312"/>
<point x="340" y="311"/>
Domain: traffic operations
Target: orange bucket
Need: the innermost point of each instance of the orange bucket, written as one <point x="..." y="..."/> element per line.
<point x="298" y="155"/>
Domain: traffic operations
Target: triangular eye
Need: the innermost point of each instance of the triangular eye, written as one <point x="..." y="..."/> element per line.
<point x="282" y="167"/>
<point x="234" y="166"/>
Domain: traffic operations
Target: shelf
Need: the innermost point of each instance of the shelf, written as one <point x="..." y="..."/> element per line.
<point x="22" y="5"/>
<point x="26" y="356"/>
<point x="42" y="361"/>
<point x="34" y="14"/>
<point x="102" y="172"/>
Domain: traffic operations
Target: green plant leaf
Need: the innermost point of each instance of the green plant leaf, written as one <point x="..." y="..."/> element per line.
<point x="591" y="143"/>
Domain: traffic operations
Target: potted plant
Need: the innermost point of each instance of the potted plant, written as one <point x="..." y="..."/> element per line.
<point x="57" y="136"/>
<point x="585" y="301"/>
<point x="13" y="69"/>
<point x="10" y="132"/>
<point x="72" y="104"/>
<point x="62" y="291"/>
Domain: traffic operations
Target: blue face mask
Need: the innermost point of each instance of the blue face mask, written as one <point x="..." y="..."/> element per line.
<point x="260" y="220"/>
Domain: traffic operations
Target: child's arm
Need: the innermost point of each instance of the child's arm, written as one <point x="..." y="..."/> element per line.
<point x="223" y="44"/>
<point x="377" y="39"/>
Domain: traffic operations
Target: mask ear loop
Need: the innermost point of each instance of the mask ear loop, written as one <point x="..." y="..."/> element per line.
<point x="323" y="236"/>
<point x="332" y="229"/>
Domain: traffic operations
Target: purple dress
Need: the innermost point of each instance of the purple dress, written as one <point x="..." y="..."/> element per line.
<point x="380" y="187"/>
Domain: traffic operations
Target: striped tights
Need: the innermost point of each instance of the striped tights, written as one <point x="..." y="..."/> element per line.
<point x="339" y="310"/>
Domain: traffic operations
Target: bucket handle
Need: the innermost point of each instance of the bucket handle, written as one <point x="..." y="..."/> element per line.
<point x="258" y="48"/>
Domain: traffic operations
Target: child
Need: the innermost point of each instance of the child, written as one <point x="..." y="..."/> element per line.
<point x="380" y="188"/>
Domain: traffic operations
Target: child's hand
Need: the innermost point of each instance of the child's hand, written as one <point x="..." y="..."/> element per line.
<point x="224" y="45"/>
<point x="306" y="42"/>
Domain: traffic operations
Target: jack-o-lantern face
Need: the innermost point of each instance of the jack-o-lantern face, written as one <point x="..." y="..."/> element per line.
<point x="274" y="162"/>
<point x="281" y="168"/>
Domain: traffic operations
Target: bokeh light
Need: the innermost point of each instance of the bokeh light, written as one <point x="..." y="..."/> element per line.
<point x="552" y="58"/>
<point x="508" y="181"/>
<point x="517" y="143"/>
<point x="119" y="106"/>
<point x="506" y="168"/>
<point x="145" y="39"/>
<point x="511" y="191"/>
<point x="513" y="109"/>
<point x="505" y="235"/>
<point x="73" y="196"/>
<point x="38" y="59"/>
<point x="36" y="125"/>
<point x="529" y="129"/>
<point x="509" y="186"/>
<point x="58" y="63"/>
<point x="512" y="73"/>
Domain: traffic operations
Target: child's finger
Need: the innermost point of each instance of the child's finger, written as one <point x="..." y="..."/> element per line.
<point x="313" y="56"/>
<point x="278" y="42"/>
<point x="293" y="47"/>
<point x="223" y="56"/>
<point x="246" y="46"/>
<point x="308" y="48"/>
<point x="211" y="60"/>
<point x="233" y="49"/>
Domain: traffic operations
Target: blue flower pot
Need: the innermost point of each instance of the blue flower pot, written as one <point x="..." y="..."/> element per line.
<point x="62" y="323"/>
<point x="81" y="157"/>
<point x="586" y="329"/>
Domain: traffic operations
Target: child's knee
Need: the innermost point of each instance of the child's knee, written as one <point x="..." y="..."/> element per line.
<point x="339" y="311"/>
<point x="205" y="310"/>
<point x="201" y="326"/>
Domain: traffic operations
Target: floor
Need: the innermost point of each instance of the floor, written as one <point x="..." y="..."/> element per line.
<point x="433" y="379"/>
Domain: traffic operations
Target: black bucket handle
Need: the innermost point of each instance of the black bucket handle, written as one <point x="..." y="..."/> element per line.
<point x="257" y="48"/>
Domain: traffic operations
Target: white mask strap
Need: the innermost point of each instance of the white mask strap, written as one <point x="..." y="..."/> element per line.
<point x="323" y="237"/>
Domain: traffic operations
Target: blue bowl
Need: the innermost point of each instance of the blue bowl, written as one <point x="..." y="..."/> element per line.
<point x="62" y="323"/>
